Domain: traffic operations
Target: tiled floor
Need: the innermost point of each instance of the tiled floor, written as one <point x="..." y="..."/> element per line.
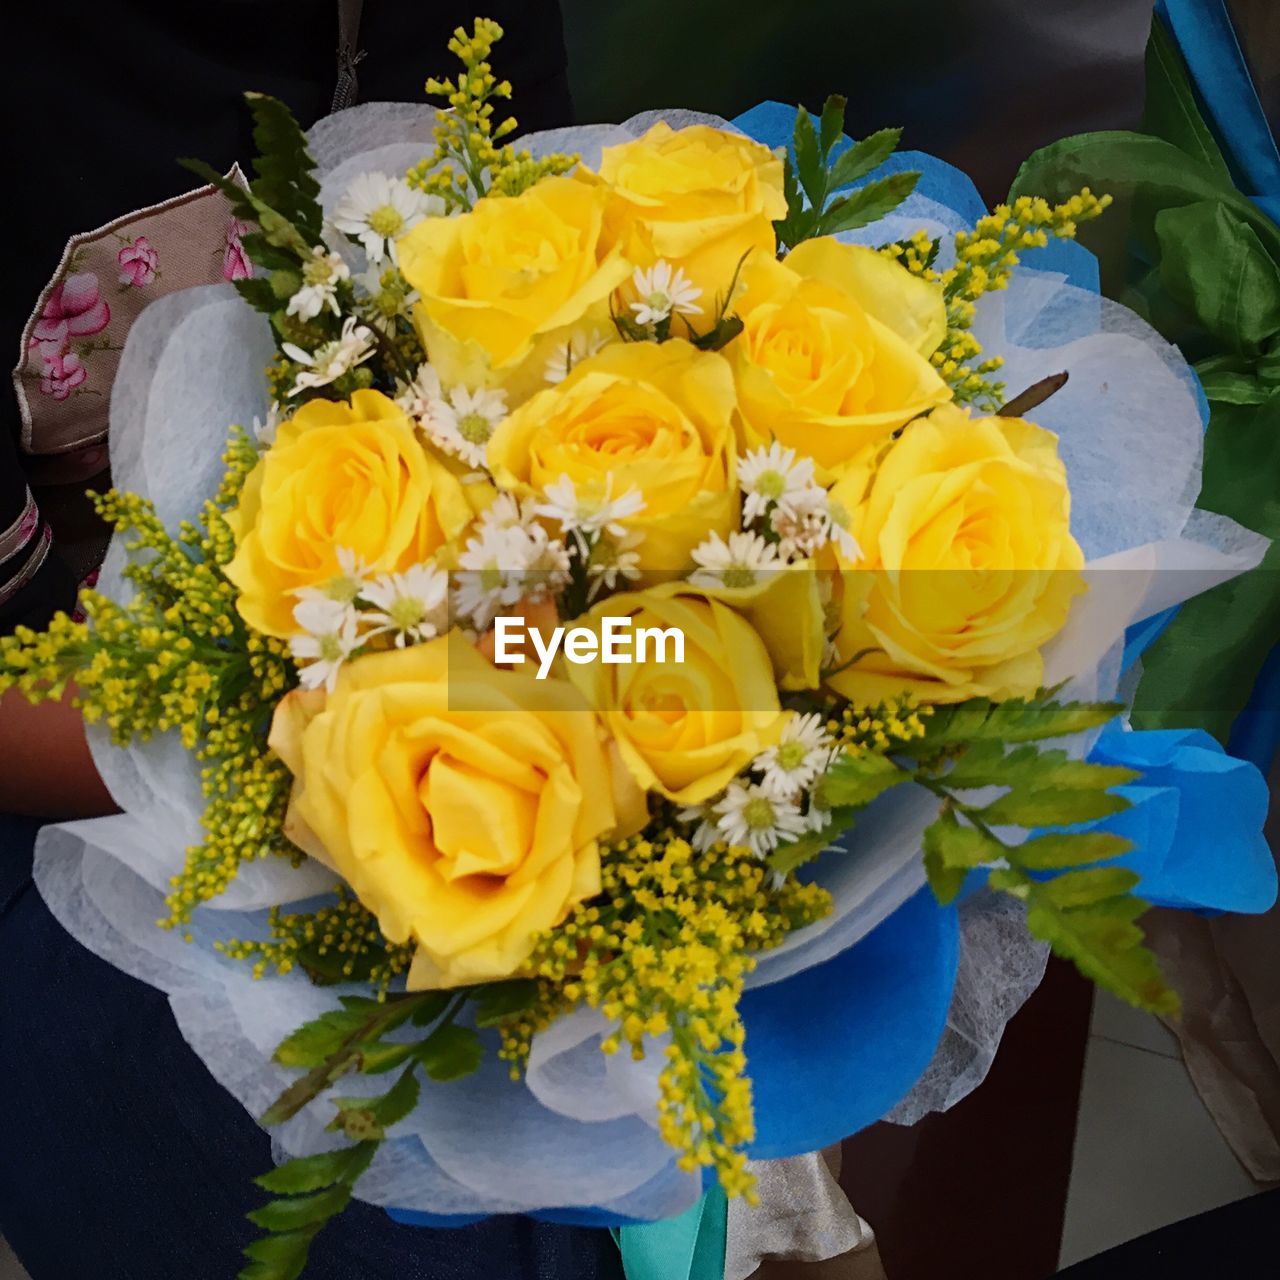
<point x="1147" y="1153"/>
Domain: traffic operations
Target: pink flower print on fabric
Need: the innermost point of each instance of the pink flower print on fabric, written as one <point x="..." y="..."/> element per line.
<point x="138" y="262"/>
<point x="74" y="310"/>
<point x="63" y="373"/>
<point x="235" y="262"/>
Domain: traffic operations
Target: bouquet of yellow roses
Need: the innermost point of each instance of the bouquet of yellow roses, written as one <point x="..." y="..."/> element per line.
<point x="635" y="583"/>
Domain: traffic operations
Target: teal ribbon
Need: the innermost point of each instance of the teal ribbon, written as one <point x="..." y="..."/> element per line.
<point x="690" y="1247"/>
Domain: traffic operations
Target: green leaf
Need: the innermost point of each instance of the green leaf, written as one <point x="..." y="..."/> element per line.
<point x="280" y="1257"/>
<point x="310" y="1173"/>
<point x="809" y="166"/>
<point x="1106" y="946"/>
<point x="986" y="764"/>
<point x="1214" y="264"/>
<point x="1171" y="109"/>
<point x="787" y="857"/>
<point x="1051" y="807"/>
<point x="302" y="1211"/>
<point x="1015" y="720"/>
<point x="398" y="1101"/>
<point x="432" y="1006"/>
<point x="1236" y="388"/>
<point x="867" y="204"/>
<point x="831" y="128"/>
<point x="450" y="1052"/>
<point x="1084" y="888"/>
<point x="951" y="850"/>
<point x="856" y="780"/>
<point x="283" y="167"/>
<point x="1067" y="849"/>
<point x="377" y="1059"/>
<point x="311" y="1044"/>
<point x="865" y="155"/>
<point x="499" y="1001"/>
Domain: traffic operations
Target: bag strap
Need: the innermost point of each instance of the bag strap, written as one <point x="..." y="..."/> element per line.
<point x="347" y="88"/>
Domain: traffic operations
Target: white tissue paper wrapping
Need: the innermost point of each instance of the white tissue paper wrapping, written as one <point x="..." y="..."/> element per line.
<point x="581" y="1129"/>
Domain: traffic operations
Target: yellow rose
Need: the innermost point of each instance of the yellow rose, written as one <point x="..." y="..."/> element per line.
<point x="339" y="476"/>
<point x="833" y="353"/>
<point x="685" y="728"/>
<point x="965" y="530"/>
<point x="639" y="415"/>
<point x="462" y="803"/>
<point x="503" y="285"/>
<point x="698" y="197"/>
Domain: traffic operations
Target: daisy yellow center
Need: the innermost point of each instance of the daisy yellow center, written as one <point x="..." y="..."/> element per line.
<point x="343" y="589"/>
<point x="330" y="649"/>
<point x="658" y="301"/>
<point x="475" y="428"/>
<point x="771" y="484"/>
<point x="491" y="578"/>
<point x="738" y="575"/>
<point x="387" y="221"/>
<point x="791" y="755"/>
<point x="406" y="613"/>
<point x="317" y="271"/>
<point x="758" y="813"/>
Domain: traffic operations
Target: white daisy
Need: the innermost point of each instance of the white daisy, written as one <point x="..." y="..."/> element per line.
<point x="377" y="210"/>
<point x="704" y="833"/>
<point x="809" y="521"/>
<point x="345" y="587"/>
<point x="740" y="562"/>
<point x="580" y="347"/>
<point x="503" y="563"/>
<point x="801" y="753"/>
<point x="321" y="275"/>
<point x="388" y="297"/>
<point x="588" y="518"/>
<point x="413" y="605"/>
<point x="613" y="560"/>
<point x="753" y="816"/>
<point x="328" y="638"/>
<point x="771" y="475"/>
<point x="462" y="422"/>
<point x="328" y="363"/>
<point x="663" y="291"/>
<point x="264" y="429"/>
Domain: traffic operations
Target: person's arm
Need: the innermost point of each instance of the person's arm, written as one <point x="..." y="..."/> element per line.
<point x="45" y="766"/>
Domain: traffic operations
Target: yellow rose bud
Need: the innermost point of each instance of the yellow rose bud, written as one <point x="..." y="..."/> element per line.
<point x="830" y="358"/>
<point x="351" y="476"/>
<point x="685" y="728"/>
<point x="699" y="198"/>
<point x="969" y="564"/>
<point x="503" y="285"/>
<point x="639" y="415"/>
<point x="462" y="803"/>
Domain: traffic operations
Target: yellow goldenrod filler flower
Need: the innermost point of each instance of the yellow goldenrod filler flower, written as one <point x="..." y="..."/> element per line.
<point x="177" y="658"/>
<point x="338" y="942"/>
<point x="467" y="162"/>
<point x="664" y="950"/>
<point x="985" y="259"/>
<point x="968" y="566"/>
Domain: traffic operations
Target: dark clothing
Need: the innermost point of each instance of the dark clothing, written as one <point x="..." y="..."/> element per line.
<point x="105" y="1176"/>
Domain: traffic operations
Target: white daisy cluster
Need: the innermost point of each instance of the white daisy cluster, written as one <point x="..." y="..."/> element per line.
<point x="322" y="273"/>
<point x="595" y="531"/>
<point x="458" y="422"/>
<point x="357" y="606"/>
<point x="509" y="559"/>
<point x="776" y="801"/>
<point x="327" y="363"/>
<point x="792" y="510"/>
